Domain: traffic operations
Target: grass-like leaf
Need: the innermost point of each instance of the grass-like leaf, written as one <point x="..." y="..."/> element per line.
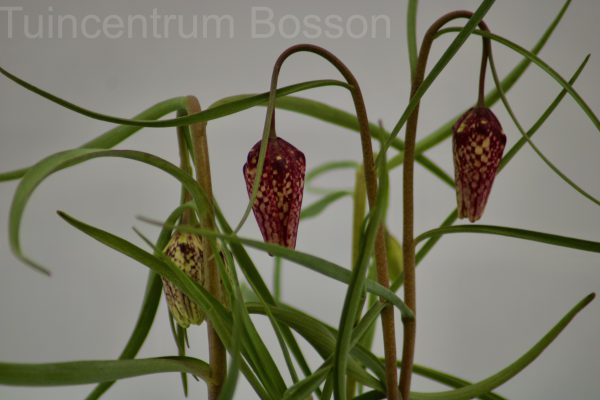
<point x="450" y="380"/>
<point x="548" y="238"/>
<point x="491" y="98"/>
<point x="449" y="53"/>
<point x="488" y="384"/>
<point x="212" y="113"/>
<point x="323" y="169"/>
<point x="309" y="261"/>
<point x="255" y="351"/>
<point x="356" y="288"/>
<point x="411" y="35"/>
<point x="86" y="372"/>
<point x="140" y="331"/>
<point x="524" y="135"/>
<point x="69" y="158"/>
<point x="320" y="205"/>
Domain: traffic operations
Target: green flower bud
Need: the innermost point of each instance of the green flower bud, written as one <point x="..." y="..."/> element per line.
<point x="186" y="250"/>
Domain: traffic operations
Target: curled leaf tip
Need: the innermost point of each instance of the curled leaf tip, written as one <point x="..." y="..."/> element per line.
<point x="478" y="143"/>
<point x="279" y="197"/>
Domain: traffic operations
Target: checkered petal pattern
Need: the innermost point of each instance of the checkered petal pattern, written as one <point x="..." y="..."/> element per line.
<point x="478" y="143"/>
<point x="279" y="198"/>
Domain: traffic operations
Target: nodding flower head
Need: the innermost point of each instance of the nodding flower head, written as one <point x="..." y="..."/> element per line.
<point x="186" y="251"/>
<point x="478" y="143"/>
<point x="279" y="198"/>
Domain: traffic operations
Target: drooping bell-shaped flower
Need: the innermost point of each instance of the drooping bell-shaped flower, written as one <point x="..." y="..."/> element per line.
<point x="186" y="250"/>
<point x="279" y="198"/>
<point x="478" y="143"/>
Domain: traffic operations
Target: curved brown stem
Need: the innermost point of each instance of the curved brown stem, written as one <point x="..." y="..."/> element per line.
<point x="408" y="345"/>
<point x="218" y="354"/>
<point x="387" y="315"/>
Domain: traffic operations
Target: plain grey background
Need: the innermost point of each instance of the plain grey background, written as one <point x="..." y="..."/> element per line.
<point x="482" y="301"/>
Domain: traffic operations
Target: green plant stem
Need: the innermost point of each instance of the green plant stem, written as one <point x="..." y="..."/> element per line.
<point x="408" y="243"/>
<point x="387" y="315"/>
<point x="184" y="163"/>
<point x="218" y="355"/>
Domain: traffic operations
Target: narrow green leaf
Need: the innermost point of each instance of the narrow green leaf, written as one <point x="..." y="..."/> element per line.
<point x="307" y="386"/>
<point x="320" y="205"/>
<point x="548" y="238"/>
<point x="492" y="382"/>
<point x="491" y="98"/>
<point x="424" y="250"/>
<point x="211" y="113"/>
<point x="356" y="287"/>
<point x="524" y="135"/>
<point x="449" y="53"/>
<point x="262" y="292"/>
<point x="86" y="372"/>
<point x="323" y="169"/>
<point x="487" y="385"/>
<point x="314" y="263"/>
<point x="411" y="35"/>
<point x="323" y="339"/>
<point x="214" y="310"/>
<point x="450" y="380"/>
<point x="540" y="121"/>
<point x="140" y="331"/>
<point x="544" y="67"/>
<point x="58" y="161"/>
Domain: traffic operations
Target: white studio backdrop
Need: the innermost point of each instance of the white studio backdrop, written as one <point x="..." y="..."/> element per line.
<point x="482" y="301"/>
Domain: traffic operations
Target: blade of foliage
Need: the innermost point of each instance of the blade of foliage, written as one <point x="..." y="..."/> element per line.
<point x="314" y="263"/>
<point x="327" y="113"/>
<point x="449" y="53"/>
<point x="492" y="97"/>
<point x="544" y="67"/>
<point x="323" y="339"/>
<point x="69" y="158"/>
<point x="86" y="372"/>
<point x="220" y="318"/>
<point x="306" y="387"/>
<point x="211" y="113"/>
<point x="277" y="278"/>
<point x="356" y="287"/>
<point x="548" y="238"/>
<point x="323" y="169"/>
<point x="118" y="134"/>
<point x="450" y="380"/>
<point x="321" y="111"/>
<point x="347" y="120"/>
<point x="424" y="250"/>
<point x="261" y="291"/>
<point x="524" y="135"/>
<point x="411" y="35"/>
<point x="535" y="127"/>
<point x="494" y="381"/>
<point x="140" y="331"/>
<point x="320" y="205"/>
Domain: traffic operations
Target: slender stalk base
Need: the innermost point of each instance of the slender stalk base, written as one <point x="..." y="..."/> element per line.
<point x="218" y="354"/>
<point x="410" y="295"/>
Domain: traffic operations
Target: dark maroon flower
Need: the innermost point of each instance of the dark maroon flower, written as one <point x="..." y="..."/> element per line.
<point x="478" y="143"/>
<point x="279" y="197"/>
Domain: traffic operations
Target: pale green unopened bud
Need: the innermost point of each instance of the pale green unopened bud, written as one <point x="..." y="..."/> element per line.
<point x="186" y="250"/>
